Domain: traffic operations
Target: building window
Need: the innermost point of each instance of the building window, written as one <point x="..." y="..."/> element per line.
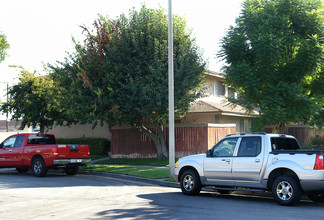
<point x="244" y="125"/>
<point x="231" y="93"/>
<point x="219" y="89"/>
<point x="216" y="118"/>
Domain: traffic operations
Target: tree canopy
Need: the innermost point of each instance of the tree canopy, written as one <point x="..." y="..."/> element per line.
<point x="4" y="45"/>
<point x="119" y="74"/>
<point x="274" y="59"/>
<point x="34" y="101"/>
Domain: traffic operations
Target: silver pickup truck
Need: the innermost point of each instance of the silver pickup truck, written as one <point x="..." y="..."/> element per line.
<point x="256" y="162"/>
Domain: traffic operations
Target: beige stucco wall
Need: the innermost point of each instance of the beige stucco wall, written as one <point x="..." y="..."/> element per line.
<point x="77" y="131"/>
<point x="202" y="118"/>
<point x="209" y="85"/>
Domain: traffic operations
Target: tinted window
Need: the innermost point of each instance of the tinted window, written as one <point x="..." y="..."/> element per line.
<point x="282" y="143"/>
<point x="250" y="147"/>
<point x="41" y="139"/>
<point x="19" y="140"/>
<point x="224" y="148"/>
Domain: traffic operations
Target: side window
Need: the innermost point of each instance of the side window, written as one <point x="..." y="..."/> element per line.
<point x="249" y="147"/>
<point x="225" y="148"/>
<point x="9" y="142"/>
<point x="19" y="141"/>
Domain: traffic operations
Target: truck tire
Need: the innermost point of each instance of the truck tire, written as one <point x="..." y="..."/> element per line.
<point x="71" y="170"/>
<point x="39" y="168"/>
<point x="190" y="182"/>
<point x="316" y="196"/>
<point x="286" y="190"/>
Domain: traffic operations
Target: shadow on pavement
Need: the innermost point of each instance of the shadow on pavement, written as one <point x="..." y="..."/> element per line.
<point x="213" y="206"/>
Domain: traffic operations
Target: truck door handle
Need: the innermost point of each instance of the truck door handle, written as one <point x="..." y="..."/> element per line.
<point x="257" y="160"/>
<point x="10" y="150"/>
<point x="226" y="160"/>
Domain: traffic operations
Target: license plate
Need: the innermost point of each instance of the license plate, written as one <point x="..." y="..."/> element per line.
<point x="73" y="161"/>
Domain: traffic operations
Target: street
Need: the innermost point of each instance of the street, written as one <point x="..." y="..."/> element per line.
<point x="84" y="196"/>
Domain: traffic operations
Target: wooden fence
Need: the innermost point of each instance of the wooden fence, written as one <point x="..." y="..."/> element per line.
<point x="189" y="139"/>
<point x="302" y="133"/>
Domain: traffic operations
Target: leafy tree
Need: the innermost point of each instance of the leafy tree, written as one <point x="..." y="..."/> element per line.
<point x="4" y="45"/>
<point x="34" y="100"/>
<point x="274" y="59"/>
<point x="121" y="71"/>
<point x="87" y="76"/>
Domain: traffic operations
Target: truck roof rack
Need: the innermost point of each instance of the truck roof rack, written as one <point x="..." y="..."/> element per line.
<point x="262" y="133"/>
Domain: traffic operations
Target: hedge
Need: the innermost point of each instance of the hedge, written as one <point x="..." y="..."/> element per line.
<point x="98" y="146"/>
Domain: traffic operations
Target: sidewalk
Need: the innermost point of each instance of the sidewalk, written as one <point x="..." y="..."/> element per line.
<point x="159" y="182"/>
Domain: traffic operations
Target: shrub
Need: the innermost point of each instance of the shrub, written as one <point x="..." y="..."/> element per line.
<point x="317" y="142"/>
<point x="98" y="146"/>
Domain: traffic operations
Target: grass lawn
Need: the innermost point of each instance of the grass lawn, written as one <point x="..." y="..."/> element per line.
<point x="146" y="172"/>
<point x="137" y="161"/>
<point x="96" y="157"/>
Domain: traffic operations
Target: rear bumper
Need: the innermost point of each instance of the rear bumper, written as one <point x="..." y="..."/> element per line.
<point x="312" y="185"/>
<point x="76" y="161"/>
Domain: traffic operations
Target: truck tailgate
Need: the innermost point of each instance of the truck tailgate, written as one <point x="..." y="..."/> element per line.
<point x="73" y="151"/>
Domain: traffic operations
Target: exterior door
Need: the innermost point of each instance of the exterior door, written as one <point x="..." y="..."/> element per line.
<point x="248" y="163"/>
<point x="11" y="151"/>
<point x="217" y="166"/>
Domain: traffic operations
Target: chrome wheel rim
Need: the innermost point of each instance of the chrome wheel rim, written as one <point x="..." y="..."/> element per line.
<point x="38" y="167"/>
<point x="188" y="182"/>
<point x="284" y="190"/>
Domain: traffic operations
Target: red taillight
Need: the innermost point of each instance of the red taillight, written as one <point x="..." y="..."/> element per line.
<point x="319" y="163"/>
<point x="54" y="150"/>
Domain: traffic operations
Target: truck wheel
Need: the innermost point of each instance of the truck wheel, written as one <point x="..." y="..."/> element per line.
<point x="286" y="190"/>
<point x="316" y="196"/>
<point x="72" y="170"/>
<point x="190" y="182"/>
<point x="39" y="167"/>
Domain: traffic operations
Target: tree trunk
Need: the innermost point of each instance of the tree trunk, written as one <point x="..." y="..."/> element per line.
<point x="41" y="128"/>
<point x="278" y="128"/>
<point x="158" y="139"/>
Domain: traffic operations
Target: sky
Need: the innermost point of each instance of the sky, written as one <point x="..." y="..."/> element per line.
<point x="40" y="31"/>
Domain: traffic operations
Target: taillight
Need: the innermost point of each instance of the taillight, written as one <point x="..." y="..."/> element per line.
<point x="54" y="150"/>
<point x="319" y="163"/>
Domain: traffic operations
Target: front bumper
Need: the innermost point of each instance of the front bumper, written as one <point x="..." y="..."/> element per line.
<point x="76" y="161"/>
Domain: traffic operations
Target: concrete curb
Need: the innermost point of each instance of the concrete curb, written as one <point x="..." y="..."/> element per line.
<point x="135" y="178"/>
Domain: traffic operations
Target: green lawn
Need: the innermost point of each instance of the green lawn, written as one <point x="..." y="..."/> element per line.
<point x="137" y="161"/>
<point x="146" y="172"/>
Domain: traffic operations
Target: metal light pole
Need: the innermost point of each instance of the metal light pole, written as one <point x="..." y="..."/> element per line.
<point x="7" y="123"/>
<point x="171" y="95"/>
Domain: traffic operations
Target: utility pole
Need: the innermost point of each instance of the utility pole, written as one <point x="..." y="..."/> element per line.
<point x="7" y="126"/>
<point x="171" y="95"/>
<point x="7" y="123"/>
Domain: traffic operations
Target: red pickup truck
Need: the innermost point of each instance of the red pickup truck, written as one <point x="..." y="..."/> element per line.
<point x="40" y="152"/>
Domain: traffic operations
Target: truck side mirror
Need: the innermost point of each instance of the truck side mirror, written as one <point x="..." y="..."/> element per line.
<point x="209" y="153"/>
<point x="1" y="145"/>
